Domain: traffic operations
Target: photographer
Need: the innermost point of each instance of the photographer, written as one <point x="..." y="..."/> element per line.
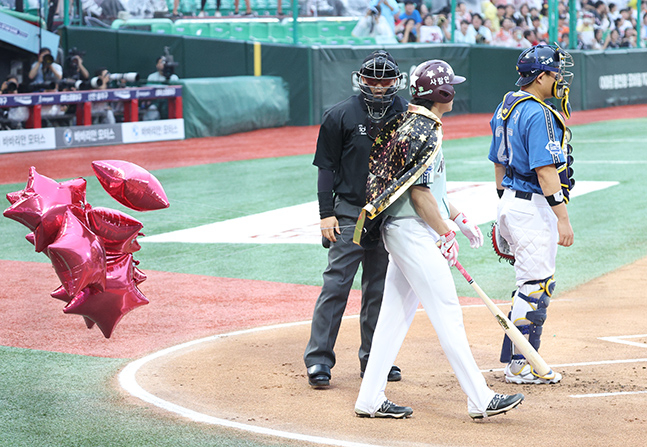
<point x="13" y="117"/>
<point x="165" y="71"/>
<point x="165" y="65"/>
<point x="74" y="68"/>
<point x="102" y="112"/>
<point x="45" y="69"/>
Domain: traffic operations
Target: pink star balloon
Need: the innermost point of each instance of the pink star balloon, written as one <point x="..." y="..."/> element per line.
<point x="121" y="295"/>
<point x="117" y="230"/>
<point x="130" y="184"/>
<point x="61" y="294"/>
<point x="78" y="256"/>
<point x="41" y="195"/>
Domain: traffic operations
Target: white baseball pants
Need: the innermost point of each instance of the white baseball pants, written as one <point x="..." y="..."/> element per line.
<point x="530" y="227"/>
<point x="417" y="273"/>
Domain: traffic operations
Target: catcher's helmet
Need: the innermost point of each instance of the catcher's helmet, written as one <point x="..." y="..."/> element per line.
<point x="434" y="80"/>
<point x="377" y="68"/>
<point x="540" y="58"/>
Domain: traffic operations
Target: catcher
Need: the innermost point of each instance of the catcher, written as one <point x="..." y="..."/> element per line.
<point x="533" y="176"/>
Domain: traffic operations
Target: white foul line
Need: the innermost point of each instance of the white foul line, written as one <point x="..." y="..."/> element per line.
<point x="620" y="339"/>
<point x="577" y="396"/>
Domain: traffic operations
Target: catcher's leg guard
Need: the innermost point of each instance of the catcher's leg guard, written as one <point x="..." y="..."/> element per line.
<point x="528" y="313"/>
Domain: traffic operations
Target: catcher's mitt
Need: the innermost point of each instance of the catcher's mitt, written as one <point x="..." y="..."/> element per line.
<point x="500" y="245"/>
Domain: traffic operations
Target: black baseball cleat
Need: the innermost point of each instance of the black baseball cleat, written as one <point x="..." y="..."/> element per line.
<point x="387" y="410"/>
<point x="319" y="375"/>
<point x="395" y="375"/>
<point x="499" y="404"/>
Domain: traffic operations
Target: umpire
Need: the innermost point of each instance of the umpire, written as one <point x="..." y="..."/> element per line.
<point x="343" y="147"/>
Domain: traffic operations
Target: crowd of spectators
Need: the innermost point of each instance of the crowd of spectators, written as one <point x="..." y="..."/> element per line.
<point x="600" y="24"/>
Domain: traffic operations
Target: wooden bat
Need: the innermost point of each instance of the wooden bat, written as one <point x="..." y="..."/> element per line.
<point x="521" y="343"/>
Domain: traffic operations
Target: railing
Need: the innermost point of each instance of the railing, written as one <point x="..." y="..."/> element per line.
<point x="84" y="99"/>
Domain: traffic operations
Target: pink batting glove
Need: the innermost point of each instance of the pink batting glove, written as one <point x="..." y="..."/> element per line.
<point x="449" y="247"/>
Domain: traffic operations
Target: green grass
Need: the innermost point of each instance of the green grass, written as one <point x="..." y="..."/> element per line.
<point x="607" y="223"/>
<point x="53" y="399"/>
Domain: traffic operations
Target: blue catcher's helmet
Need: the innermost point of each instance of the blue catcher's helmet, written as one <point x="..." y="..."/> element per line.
<point x="540" y="58"/>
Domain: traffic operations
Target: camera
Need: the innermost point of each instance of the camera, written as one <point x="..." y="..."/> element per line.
<point x="36" y="86"/>
<point x="128" y="77"/>
<point x="48" y="59"/>
<point x="90" y="84"/>
<point x="169" y="64"/>
<point x="11" y="87"/>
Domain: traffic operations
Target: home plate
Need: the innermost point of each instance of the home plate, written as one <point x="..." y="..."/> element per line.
<point x="299" y="224"/>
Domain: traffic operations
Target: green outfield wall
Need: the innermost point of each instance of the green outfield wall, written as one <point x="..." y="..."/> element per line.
<point x="319" y="76"/>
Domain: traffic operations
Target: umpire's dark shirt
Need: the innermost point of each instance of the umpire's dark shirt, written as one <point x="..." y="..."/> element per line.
<point x="343" y="145"/>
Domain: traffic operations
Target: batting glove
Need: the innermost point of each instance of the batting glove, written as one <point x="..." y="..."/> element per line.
<point x="449" y="247"/>
<point x="471" y="231"/>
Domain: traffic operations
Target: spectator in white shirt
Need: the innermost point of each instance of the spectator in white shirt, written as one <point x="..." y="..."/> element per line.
<point x="462" y="35"/>
<point x="479" y="31"/>
<point x="429" y="31"/>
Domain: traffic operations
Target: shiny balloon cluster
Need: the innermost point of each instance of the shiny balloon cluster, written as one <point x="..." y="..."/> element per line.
<point x="91" y="249"/>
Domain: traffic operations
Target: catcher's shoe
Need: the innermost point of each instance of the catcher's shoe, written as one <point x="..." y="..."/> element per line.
<point x="499" y="404"/>
<point x="521" y="372"/>
<point x="387" y="410"/>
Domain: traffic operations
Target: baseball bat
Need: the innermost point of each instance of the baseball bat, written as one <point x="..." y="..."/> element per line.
<point x="520" y="342"/>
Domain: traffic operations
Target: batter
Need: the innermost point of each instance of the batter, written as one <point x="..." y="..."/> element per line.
<point x="407" y="180"/>
<point x="532" y="176"/>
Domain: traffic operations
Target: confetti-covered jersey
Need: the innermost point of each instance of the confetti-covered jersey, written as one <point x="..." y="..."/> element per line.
<point x="403" y="151"/>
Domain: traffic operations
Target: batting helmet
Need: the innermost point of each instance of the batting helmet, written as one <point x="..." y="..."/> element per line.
<point x="434" y="81"/>
<point x="377" y="69"/>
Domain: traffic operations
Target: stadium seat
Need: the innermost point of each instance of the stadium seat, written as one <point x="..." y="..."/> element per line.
<point x="162" y="27"/>
<point x="220" y="30"/>
<point x="259" y="31"/>
<point x="336" y="40"/>
<point x="344" y="28"/>
<point x="239" y="31"/>
<point x="367" y="41"/>
<point x="327" y="28"/>
<point x="308" y="31"/>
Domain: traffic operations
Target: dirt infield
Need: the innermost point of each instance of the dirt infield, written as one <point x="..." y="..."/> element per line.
<point x="259" y="378"/>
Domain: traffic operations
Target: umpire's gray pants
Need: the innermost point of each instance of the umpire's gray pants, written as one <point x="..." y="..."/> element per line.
<point x="344" y="258"/>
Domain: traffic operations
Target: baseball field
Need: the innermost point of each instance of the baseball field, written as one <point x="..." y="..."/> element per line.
<point x="234" y="268"/>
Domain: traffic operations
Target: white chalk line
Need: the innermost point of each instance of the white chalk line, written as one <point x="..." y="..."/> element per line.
<point x="614" y="339"/>
<point x="128" y="381"/>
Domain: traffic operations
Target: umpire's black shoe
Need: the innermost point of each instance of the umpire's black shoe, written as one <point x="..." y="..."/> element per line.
<point x="319" y="375"/>
<point x="387" y="410"/>
<point x="499" y="404"/>
<point x="395" y="375"/>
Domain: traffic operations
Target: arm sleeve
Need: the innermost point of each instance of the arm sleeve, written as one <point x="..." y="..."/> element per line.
<point x="329" y="143"/>
<point x="325" y="181"/>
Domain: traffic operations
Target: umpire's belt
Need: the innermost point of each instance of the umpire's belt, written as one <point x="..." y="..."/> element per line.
<point x="523" y="195"/>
